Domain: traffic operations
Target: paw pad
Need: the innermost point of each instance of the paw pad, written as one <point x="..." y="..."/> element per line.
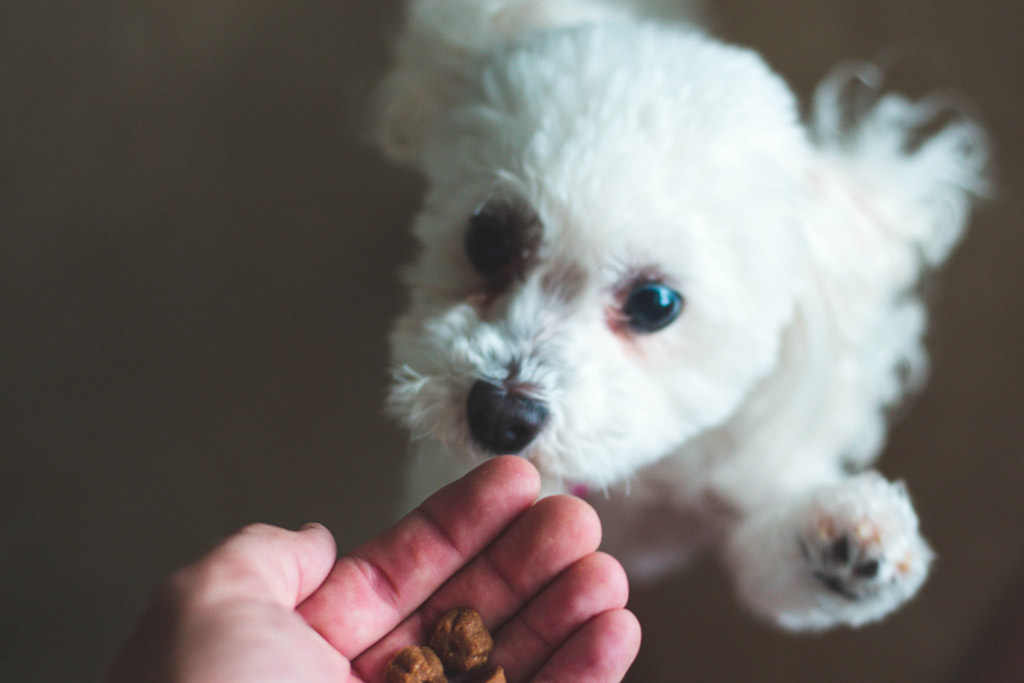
<point x="846" y="564"/>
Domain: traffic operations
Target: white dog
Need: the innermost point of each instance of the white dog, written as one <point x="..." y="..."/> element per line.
<point x="644" y="273"/>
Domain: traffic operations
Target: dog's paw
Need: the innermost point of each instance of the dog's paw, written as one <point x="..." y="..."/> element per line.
<point x="862" y="549"/>
<point x="850" y="553"/>
<point x="850" y="560"/>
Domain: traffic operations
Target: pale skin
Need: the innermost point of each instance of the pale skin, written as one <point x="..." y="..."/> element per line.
<point x="273" y="605"/>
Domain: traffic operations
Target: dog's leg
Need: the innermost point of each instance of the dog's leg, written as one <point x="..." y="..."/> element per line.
<point x="650" y="551"/>
<point x="652" y="525"/>
<point x="849" y="553"/>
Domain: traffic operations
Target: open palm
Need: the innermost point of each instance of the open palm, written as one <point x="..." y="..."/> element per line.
<point x="270" y="604"/>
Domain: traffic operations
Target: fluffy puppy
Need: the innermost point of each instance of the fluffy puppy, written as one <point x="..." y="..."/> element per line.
<point x="641" y="270"/>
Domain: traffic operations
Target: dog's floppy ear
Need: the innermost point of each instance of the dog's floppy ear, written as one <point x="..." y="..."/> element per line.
<point x="906" y="170"/>
<point x="892" y="182"/>
<point x="443" y="42"/>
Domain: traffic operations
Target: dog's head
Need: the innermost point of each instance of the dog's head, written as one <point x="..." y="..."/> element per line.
<point x="611" y="238"/>
<point x="606" y="260"/>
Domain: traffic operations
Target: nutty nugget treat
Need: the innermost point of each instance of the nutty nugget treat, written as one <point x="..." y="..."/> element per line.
<point x="461" y="640"/>
<point x="415" y="665"/>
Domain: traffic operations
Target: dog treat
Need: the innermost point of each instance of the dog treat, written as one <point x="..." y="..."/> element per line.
<point x="415" y="665"/>
<point x="459" y="647"/>
<point x="461" y="640"/>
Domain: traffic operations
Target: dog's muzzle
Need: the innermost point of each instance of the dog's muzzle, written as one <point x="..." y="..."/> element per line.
<point x="502" y="421"/>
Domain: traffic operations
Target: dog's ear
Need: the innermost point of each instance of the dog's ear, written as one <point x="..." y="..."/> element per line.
<point x="441" y="45"/>
<point x="892" y="182"/>
<point x="900" y="171"/>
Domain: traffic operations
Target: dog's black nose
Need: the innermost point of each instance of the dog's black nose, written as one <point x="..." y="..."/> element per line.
<point x="501" y="421"/>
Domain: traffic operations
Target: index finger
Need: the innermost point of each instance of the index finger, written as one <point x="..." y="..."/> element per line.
<point x="375" y="587"/>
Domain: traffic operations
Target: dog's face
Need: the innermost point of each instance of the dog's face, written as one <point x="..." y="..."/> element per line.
<point x="609" y="251"/>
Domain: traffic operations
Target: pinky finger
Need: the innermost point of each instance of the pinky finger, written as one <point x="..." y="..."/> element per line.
<point x="600" y="652"/>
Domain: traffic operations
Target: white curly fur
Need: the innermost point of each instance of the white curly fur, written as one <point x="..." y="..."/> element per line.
<point x="633" y="145"/>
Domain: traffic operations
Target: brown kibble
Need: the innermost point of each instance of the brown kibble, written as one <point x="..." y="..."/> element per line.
<point x="415" y="665"/>
<point x="461" y="640"/>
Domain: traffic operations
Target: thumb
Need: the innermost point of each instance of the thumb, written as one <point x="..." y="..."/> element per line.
<point x="268" y="563"/>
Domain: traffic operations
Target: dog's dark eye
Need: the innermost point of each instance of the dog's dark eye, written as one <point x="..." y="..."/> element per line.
<point x="488" y="243"/>
<point x="652" y="307"/>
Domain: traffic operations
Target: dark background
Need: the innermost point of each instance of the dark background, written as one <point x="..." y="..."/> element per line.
<point x="198" y="269"/>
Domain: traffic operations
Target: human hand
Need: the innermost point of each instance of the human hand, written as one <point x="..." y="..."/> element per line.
<point x="267" y="604"/>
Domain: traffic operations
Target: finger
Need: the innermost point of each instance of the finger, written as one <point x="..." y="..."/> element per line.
<point x="378" y="585"/>
<point x="599" y="652"/>
<point x="591" y="586"/>
<point x="263" y="562"/>
<point x="547" y="538"/>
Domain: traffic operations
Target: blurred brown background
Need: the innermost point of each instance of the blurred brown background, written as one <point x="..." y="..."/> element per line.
<point x="197" y="272"/>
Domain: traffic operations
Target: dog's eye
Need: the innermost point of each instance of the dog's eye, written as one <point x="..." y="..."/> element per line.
<point x="488" y="243"/>
<point x="651" y="307"/>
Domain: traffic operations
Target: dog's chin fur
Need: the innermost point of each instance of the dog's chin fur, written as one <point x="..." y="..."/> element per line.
<point x="628" y="150"/>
